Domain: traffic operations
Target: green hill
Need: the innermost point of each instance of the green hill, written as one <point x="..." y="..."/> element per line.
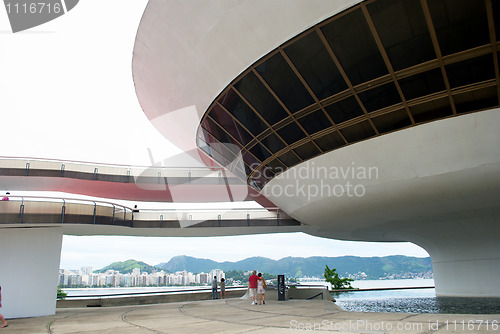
<point x="192" y="264"/>
<point x="126" y="267"/>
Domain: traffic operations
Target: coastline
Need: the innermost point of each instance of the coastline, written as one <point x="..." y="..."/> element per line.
<point x="360" y="284"/>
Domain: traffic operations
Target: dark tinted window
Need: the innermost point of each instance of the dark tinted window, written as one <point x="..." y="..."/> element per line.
<point x="221" y="135"/>
<point x="344" y="110"/>
<point x="230" y="125"/>
<point x="431" y="110"/>
<point x="239" y="109"/>
<point x="275" y="166"/>
<point x="307" y="151"/>
<point x="260" y="152"/>
<point x="403" y="30"/>
<point x="312" y="60"/>
<point x="315" y="122"/>
<point x="285" y="83"/>
<point x="289" y="158"/>
<point x="219" y="151"/>
<point x="392" y="121"/>
<point x="330" y="141"/>
<point x="260" y="98"/>
<point x="250" y="160"/>
<point x="358" y="131"/>
<point x="470" y="71"/>
<point x="496" y="17"/>
<point x="291" y="133"/>
<point x="422" y="84"/>
<point x="353" y="43"/>
<point x="380" y="97"/>
<point x="476" y="100"/>
<point x="273" y="143"/>
<point x="460" y="24"/>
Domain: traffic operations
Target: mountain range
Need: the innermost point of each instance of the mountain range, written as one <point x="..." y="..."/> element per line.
<point x="373" y="267"/>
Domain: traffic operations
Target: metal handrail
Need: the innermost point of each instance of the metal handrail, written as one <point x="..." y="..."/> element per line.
<point x="64" y="199"/>
<point x="316" y="295"/>
<point x="112" y="172"/>
<point x="90" y="163"/>
<point x="271" y="209"/>
<point x="48" y="199"/>
<point x="217" y="214"/>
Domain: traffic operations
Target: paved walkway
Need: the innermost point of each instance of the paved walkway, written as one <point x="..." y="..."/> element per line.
<point x="238" y="316"/>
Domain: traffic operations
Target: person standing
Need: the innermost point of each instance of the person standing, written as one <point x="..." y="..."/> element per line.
<point x="252" y="286"/>
<point x="223" y="288"/>
<point x="214" y="288"/>
<point x="261" y="289"/>
<point x="6" y="197"/>
<point x="2" y="319"/>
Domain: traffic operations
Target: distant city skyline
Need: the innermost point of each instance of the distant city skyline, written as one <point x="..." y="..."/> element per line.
<point x="115" y="278"/>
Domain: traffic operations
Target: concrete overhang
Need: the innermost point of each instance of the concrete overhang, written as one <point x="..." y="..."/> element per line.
<point x="187" y="52"/>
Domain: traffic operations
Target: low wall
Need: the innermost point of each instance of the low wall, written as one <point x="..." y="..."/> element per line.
<point x="271" y="294"/>
<point x="145" y="299"/>
<point x="309" y="293"/>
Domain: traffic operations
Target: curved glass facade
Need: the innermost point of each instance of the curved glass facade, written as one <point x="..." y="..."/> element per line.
<point x="378" y="67"/>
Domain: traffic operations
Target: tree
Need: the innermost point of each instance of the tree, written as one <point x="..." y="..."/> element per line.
<point x="61" y="294"/>
<point x="338" y="283"/>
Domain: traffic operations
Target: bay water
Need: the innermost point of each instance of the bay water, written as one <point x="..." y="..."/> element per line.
<point x="406" y="295"/>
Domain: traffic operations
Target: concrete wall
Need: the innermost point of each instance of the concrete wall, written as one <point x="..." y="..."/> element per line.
<point x="315" y="293"/>
<point x="271" y="294"/>
<point x="29" y="270"/>
<point x="143" y="300"/>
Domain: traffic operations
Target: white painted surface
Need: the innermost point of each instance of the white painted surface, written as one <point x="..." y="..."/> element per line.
<point x="438" y="186"/>
<point x="447" y="167"/>
<point x="187" y="52"/>
<point x="29" y="270"/>
<point x="465" y="253"/>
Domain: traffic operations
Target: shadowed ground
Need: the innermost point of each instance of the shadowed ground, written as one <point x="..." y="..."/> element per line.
<point x="239" y="316"/>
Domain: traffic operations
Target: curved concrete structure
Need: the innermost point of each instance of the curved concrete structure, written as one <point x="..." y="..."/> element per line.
<point x="135" y="183"/>
<point x="92" y="217"/>
<point x="436" y="185"/>
<point x="401" y="145"/>
<point x="186" y="52"/>
<point x="433" y="184"/>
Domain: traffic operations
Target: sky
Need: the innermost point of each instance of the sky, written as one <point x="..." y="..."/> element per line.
<point x="66" y="92"/>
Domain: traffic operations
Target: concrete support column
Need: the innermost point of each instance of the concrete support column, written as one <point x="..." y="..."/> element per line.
<point x="29" y="270"/>
<point x="465" y="257"/>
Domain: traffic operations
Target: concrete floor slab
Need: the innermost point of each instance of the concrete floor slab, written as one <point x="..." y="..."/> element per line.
<point x="239" y="316"/>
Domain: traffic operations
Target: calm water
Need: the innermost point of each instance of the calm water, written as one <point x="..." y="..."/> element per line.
<point x="411" y="300"/>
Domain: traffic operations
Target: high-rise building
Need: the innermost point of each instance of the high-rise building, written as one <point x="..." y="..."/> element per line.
<point x="87" y="270"/>
<point x="216" y="272"/>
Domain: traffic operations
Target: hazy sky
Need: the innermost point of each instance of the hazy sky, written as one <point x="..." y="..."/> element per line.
<point x="66" y="92"/>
